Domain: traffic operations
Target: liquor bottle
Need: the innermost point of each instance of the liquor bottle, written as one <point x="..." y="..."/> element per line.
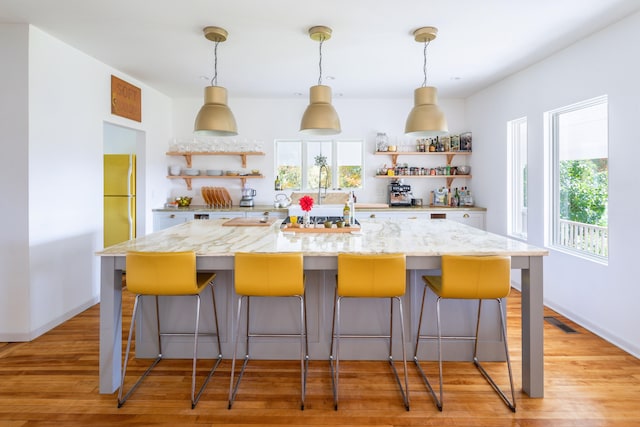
<point x="352" y="207"/>
<point x="456" y="198"/>
<point x="278" y="184"/>
<point x="346" y="214"/>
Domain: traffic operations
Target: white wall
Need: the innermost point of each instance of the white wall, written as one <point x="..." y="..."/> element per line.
<point x="14" y="134"/>
<point x="68" y="101"/>
<point x="271" y="119"/>
<point x="602" y="298"/>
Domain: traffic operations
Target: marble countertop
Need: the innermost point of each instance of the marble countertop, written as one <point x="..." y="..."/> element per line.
<point x="414" y="237"/>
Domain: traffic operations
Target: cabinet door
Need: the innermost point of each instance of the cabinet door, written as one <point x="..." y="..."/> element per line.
<point x="382" y="214"/>
<point x="281" y="214"/>
<point x="474" y="219"/>
<point x="217" y="215"/>
<point x="162" y="220"/>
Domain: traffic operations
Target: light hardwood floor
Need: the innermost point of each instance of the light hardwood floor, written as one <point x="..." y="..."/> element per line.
<point x="53" y="381"/>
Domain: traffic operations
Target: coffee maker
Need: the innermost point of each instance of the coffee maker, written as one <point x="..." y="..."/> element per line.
<point x="247" y="197"/>
<point x="399" y="194"/>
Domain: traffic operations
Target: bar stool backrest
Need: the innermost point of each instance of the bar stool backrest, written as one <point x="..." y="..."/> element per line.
<point x="475" y="277"/>
<point x="269" y="274"/>
<point x="161" y="273"/>
<point x="374" y="276"/>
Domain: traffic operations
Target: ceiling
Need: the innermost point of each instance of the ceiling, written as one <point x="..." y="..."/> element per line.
<point x="372" y="53"/>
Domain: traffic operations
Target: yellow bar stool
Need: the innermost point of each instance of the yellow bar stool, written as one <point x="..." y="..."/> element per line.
<point x="269" y="275"/>
<point x="168" y="274"/>
<point x="469" y="277"/>
<point x="369" y="276"/>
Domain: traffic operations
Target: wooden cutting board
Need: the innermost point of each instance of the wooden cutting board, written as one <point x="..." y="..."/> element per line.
<point x="257" y="221"/>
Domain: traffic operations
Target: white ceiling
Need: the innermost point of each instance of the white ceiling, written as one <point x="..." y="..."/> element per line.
<point x="372" y="52"/>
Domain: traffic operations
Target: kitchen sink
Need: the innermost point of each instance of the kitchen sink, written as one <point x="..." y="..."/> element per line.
<point x="318" y="210"/>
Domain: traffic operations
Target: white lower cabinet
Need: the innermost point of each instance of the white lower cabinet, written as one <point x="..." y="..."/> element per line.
<point x="472" y="218"/>
<point x="272" y="214"/>
<point x="166" y="219"/>
<point x="162" y="220"/>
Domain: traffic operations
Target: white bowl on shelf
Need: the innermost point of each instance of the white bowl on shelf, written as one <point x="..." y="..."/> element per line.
<point x="214" y="172"/>
<point x="190" y="172"/>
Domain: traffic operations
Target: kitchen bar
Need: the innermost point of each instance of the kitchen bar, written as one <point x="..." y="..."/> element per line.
<point x="423" y="241"/>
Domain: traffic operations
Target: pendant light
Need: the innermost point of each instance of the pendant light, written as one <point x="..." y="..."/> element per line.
<point x="320" y="118"/>
<point x="426" y="119"/>
<point x="215" y="118"/>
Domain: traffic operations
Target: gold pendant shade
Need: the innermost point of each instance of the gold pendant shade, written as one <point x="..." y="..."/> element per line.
<point x="426" y="119"/>
<point x="320" y="118"/>
<point x="215" y="117"/>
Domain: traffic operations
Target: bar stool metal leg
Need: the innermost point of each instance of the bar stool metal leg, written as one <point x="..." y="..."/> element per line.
<point x="304" y="349"/>
<point x="334" y="357"/>
<point x="511" y="404"/>
<point x="438" y="401"/>
<point x="194" y="397"/>
<point x="136" y="305"/>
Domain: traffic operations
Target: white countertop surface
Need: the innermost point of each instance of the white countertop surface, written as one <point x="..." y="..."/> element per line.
<point x="413" y="237"/>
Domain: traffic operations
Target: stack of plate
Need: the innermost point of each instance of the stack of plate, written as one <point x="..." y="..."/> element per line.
<point x="214" y="172"/>
<point x="191" y="172"/>
<point x="216" y="197"/>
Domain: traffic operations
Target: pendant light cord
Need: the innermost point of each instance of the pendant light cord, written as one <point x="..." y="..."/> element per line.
<point x="320" y="61"/>
<point x="214" y="79"/>
<point x="424" y="65"/>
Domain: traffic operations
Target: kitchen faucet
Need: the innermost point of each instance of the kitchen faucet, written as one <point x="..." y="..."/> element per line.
<point x="326" y="182"/>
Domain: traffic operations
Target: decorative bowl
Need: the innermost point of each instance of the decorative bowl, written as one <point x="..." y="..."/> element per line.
<point x="463" y="170"/>
<point x="183" y="201"/>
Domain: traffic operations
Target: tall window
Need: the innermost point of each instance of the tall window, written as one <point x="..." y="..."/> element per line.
<point x="349" y="160"/>
<point x="289" y="164"/>
<point x="298" y="164"/>
<point x="580" y="178"/>
<point x="517" y="149"/>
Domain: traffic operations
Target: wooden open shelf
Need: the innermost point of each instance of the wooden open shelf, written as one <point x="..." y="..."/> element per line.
<point x="188" y="154"/>
<point x="394" y="154"/>
<point x="187" y="178"/>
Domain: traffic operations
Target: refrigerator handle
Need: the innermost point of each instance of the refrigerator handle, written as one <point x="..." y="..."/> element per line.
<point x="130" y="197"/>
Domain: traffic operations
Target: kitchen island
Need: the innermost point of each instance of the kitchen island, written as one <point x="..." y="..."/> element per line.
<point x="423" y="241"/>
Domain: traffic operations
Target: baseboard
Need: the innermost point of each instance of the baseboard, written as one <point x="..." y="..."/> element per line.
<point x="622" y="344"/>
<point x="31" y="335"/>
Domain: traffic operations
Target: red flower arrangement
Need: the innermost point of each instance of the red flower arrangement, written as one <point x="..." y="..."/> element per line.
<point x="306" y="203"/>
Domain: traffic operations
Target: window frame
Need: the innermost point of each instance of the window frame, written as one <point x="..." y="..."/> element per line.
<point x="552" y="121"/>
<point x="517" y="185"/>
<point x="332" y="161"/>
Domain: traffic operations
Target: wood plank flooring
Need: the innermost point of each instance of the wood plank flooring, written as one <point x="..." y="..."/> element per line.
<point x="53" y="381"/>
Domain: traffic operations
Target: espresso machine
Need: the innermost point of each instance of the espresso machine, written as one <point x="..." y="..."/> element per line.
<point x="399" y="194"/>
<point x="247" y="197"/>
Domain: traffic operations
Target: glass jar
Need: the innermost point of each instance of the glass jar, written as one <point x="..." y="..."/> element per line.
<point x="382" y="142"/>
